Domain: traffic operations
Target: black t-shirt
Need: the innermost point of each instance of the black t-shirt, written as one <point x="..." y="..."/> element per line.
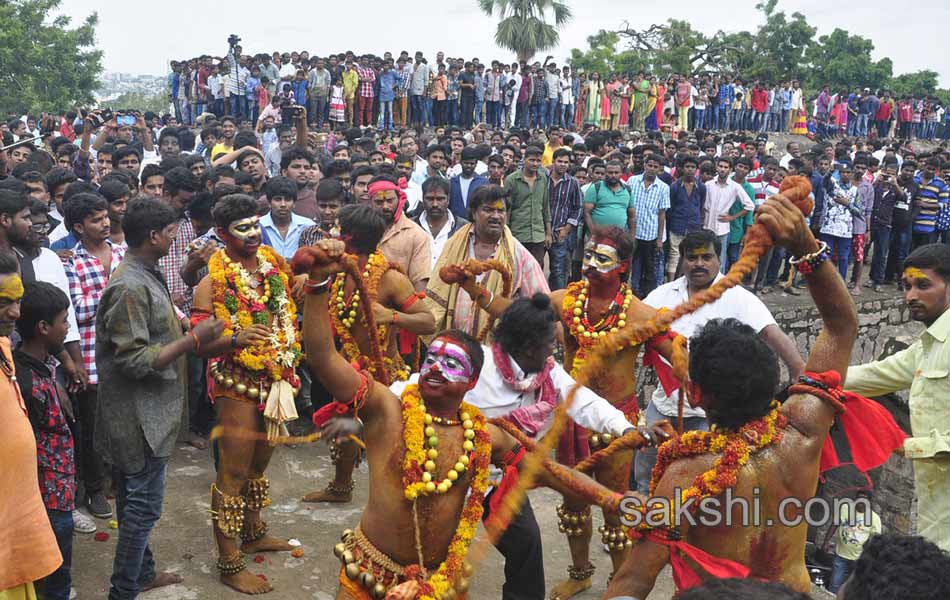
<point x="468" y="78"/>
<point x="902" y="210"/>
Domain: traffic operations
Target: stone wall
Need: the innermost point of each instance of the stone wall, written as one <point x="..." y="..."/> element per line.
<point x="885" y="327"/>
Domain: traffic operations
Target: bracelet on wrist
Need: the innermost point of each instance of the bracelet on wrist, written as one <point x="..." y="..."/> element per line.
<point x="234" y="343"/>
<point x="318" y="287"/>
<point x="808" y="263"/>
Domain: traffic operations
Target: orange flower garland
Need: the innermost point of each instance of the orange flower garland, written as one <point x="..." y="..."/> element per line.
<point x="239" y="305"/>
<point x="343" y="313"/>
<point x="735" y="450"/>
<point x="574" y="314"/>
<point x="479" y="449"/>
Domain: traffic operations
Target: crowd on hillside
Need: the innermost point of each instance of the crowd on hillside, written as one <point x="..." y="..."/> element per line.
<point x="567" y="151"/>
<point x="398" y="91"/>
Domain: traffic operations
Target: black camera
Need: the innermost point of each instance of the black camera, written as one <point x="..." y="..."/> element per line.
<point x="234" y="40"/>
<point x="100" y="118"/>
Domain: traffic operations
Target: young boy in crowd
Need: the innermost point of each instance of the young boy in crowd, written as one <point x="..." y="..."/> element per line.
<point x="43" y="327"/>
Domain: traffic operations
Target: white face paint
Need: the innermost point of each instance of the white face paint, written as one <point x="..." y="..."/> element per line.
<point x="451" y="360"/>
<point x="243" y="229"/>
<point x="601" y="257"/>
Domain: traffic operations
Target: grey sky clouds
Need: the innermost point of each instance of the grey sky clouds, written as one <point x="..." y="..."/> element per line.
<point x="143" y="37"/>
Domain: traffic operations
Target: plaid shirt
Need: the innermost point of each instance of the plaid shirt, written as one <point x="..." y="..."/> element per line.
<point x="367" y="79"/>
<point x="565" y="202"/>
<point x="649" y="202"/>
<point x="171" y="263"/>
<point x="311" y="235"/>
<point x="87" y="278"/>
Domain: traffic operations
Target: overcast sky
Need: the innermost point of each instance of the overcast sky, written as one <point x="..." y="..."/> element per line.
<point x="143" y="37"/>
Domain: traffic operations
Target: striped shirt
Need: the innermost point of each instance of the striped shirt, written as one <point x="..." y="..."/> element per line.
<point x="565" y="201"/>
<point x="648" y="202"/>
<point x="931" y="199"/>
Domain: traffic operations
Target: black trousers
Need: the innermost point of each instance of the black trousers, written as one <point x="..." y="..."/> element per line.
<point x="643" y="271"/>
<point x="524" y="561"/>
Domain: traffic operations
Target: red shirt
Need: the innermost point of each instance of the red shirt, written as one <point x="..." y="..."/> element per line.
<point x="883" y="112"/>
<point x="760" y="100"/>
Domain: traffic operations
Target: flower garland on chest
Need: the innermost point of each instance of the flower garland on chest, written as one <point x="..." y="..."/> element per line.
<point x="421" y="443"/>
<point x="574" y="314"/>
<point x="344" y="311"/>
<point x="734" y="448"/>
<point x="239" y="302"/>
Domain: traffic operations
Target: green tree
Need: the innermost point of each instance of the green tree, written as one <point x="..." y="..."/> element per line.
<point x="603" y="56"/>
<point x="915" y="84"/>
<point x="780" y="45"/>
<point x="523" y="27"/>
<point x="45" y="65"/>
<point x="842" y="60"/>
<point x="156" y="103"/>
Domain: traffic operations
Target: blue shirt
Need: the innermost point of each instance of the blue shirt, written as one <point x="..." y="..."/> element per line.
<point x="786" y="100"/>
<point x="67" y="243"/>
<point x="387" y="80"/>
<point x="648" y="203"/>
<point x="684" y="214"/>
<point x="727" y="94"/>
<point x="300" y="90"/>
<point x="286" y="247"/>
<point x="251" y="87"/>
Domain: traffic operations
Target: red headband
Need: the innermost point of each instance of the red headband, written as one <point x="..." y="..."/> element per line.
<point x="386" y="186"/>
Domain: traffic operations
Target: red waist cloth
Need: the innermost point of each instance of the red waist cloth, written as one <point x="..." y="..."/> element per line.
<point x="684" y="576"/>
<point x="664" y="371"/>
<point x="864" y="434"/>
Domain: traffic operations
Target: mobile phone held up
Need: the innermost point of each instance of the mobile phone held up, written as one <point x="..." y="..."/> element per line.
<point x="125" y="120"/>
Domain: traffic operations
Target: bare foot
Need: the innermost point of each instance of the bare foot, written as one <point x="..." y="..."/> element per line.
<point x="856" y="290"/>
<point x="328" y="495"/>
<point x="196" y="441"/>
<point x="569" y="588"/>
<point x="268" y="543"/>
<point x="161" y="580"/>
<point x="246" y="582"/>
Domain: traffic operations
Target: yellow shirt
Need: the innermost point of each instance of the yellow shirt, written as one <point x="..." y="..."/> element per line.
<point x="547" y="159"/>
<point x="351" y="80"/>
<point x="220" y="149"/>
<point x="924" y="369"/>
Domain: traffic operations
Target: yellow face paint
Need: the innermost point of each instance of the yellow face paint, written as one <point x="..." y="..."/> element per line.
<point x="496" y="205"/>
<point x="914" y="274"/>
<point x="11" y="288"/>
<point x="700" y="252"/>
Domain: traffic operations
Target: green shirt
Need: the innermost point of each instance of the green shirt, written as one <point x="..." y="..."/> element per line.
<point x="529" y="210"/>
<point x="610" y="207"/>
<point x="738" y="227"/>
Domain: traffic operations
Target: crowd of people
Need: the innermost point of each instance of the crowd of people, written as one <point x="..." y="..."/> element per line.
<point x="319" y="237"/>
<point x="389" y="91"/>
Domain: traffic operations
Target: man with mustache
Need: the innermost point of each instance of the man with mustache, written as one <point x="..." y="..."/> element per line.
<point x="701" y="251"/>
<point x="600" y="304"/>
<point x="428" y="454"/>
<point x="395" y="306"/>
<point x="923" y="369"/>
<point x="486" y="237"/>
<point x="404" y="242"/>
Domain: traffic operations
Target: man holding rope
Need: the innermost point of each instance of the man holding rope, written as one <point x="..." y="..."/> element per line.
<point x="757" y="447"/>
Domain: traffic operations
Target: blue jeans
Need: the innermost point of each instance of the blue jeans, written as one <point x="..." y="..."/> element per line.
<point x="59" y="581"/>
<point x="551" y="115"/>
<point x="862" y="125"/>
<point x="881" y="236"/>
<point x="466" y="108"/>
<point x="479" y="103"/>
<point x="417" y="104"/>
<point x="138" y="503"/>
<point x="732" y="255"/>
<point x="567" y="115"/>
<point x="452" y="111"/>
<point x="724" y="114"/>
<point x="386" y="114"/>
<point x="558" y="259"/>
<point x="429" y="120"/>
<point x="318" y="104"/>
<point x="536" y="118"/>
<point x="840" y="248"/>
<point x="645" y="458"/>
<point x="699" y="114"/>
<point x="840" y="569"/>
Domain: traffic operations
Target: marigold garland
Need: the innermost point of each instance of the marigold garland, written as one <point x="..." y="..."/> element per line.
<point x="451" y="569"/>
<point x="239" y="305"/>
<point x="344" y="311"/>
<point x="587" y="335"/>
<point x="734" y="448"/>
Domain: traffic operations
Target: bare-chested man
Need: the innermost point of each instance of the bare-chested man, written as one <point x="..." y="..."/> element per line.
<point x="396" y="304"/>
<point x="383" y="553"/>
<point x="590" y="310"/>
<point x="733" y="376"/>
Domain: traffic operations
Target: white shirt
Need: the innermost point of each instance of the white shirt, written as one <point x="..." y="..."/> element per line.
<point x="719" y="199"/>
<point x="783" y="162"/>
<point x="439" y="239"/>
<point x="493" y="396"/>
<point x="413" y="196"/>
<point x="567" y="90"/>
<point x="288" y="70"/>
<point x="737" y="303"/>
<point x="464" y="184"/>
<point x="58" y="233"/>
<point x="480" y="169"/>
<point x="49" y="268"/>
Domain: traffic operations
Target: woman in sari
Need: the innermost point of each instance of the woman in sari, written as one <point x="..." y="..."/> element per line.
<point x="626" y="93"/>
<point x="655" y="105"/>
<point x="595" y="90"/>
<point x="607" y="111"/>
<point x="581" y="107"/>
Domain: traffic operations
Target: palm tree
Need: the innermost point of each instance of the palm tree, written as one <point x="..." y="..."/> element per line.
<point x="522" y="27"/>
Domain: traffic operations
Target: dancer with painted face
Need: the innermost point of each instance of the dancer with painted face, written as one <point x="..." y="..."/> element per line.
<point x="396" y="304"/>
<point x="589" y="310"/>
<point x="428" y="454"/>
<point x="253" y="380"/>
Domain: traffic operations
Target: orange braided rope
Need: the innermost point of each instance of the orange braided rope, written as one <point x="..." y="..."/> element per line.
<point x="477" y="267"/>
